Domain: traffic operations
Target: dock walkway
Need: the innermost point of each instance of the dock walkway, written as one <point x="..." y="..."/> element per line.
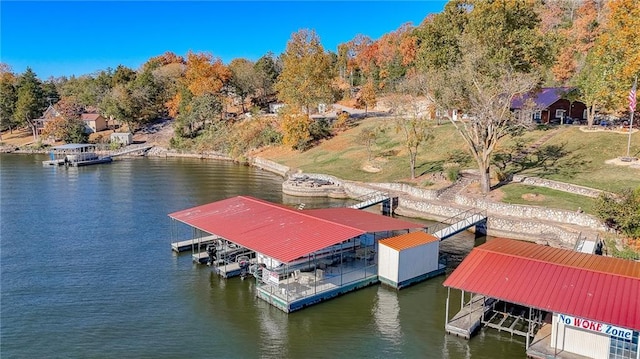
<point x="458" y="223"/>
<point x="540" y="347"/>
<point x="468" y="320"/>
<point x="187" y="245"/>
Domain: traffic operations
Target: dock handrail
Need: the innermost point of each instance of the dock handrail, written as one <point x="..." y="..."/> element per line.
<point x="369" y="199"/>
<point x="458" y="218"/>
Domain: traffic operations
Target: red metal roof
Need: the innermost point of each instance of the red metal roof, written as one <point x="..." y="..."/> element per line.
<point x="409" y="240"/>
<point x="557" y="280"/>
<point x="271" y="229"/>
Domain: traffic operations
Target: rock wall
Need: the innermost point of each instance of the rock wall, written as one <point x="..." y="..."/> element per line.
<point x="427" y="194"/>
<point x="560" y="186"/>
<point x="531" y="212"/>
<point x="537" y="224"/>
<point x="270" y="166"/>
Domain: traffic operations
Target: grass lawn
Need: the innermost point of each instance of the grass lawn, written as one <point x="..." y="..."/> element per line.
<point x="515" y="193"/>
<point x="579" y="158"/>
<point x="570" y="155"/>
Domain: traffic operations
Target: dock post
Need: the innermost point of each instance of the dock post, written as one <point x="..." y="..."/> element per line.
<point x="446" y="310"/>
<point x="528" y="330"/>
<point x="481" y="228"/>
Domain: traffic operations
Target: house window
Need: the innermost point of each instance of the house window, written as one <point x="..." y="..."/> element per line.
<point x="537" y="116"/>
<point x="584" y="113"/>
<point x="560" y="113"/>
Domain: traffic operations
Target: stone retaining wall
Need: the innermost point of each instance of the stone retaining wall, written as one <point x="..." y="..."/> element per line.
<point x="560" y="186"/>
<point x="531" y="212"/>
<point x="537" y="224"/>
<point x="427" y="194"/>
<point x="270" y="166"/>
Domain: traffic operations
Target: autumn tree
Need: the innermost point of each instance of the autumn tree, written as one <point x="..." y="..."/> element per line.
<point x="30" y="101"/>
<point x="205" y="74"/>
<point x="204" y="78"/>
<point x="67" y="125"/>
<point x="617" y="51"/>
<point x="244" y="79"/>
<point x="576" y="37"/>
<point x="593" y="86"/>
<point x="368" y="137"/>
<point x="410" y="120"/>
<point x="296" y="128"/>
<point x="492" y="53"/>
<point x="306" y="76"/>
<point x="367" y="97"/>
<point x="360" y="55"/>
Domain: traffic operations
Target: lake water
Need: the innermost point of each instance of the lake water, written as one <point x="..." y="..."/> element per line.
<point x="87" y="272"/>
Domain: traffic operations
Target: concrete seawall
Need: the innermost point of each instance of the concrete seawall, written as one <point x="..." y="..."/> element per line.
<point x="537" y="224"/>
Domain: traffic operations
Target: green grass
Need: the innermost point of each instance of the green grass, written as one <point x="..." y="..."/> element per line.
<point x="547" y="197"/>
<point x="570" y="156"/>
<point x="583" y="157"/>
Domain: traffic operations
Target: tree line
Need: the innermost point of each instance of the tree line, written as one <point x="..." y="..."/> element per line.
<point x="473" y="57"/>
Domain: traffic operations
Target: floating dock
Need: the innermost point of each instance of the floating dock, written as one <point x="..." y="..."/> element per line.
<point x="468" y="319"/>
<point x="187" y="245"/>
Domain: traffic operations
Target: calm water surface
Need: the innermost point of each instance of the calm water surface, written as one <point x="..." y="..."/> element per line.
<point x="87" y="272"/>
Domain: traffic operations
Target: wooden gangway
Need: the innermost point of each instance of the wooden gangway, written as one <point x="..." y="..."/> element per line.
<point x="458" y="223"/>
<point x="188" y="245"/>
<point x="132" y="149"/>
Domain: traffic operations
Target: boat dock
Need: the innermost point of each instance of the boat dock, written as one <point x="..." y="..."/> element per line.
<point x="512" y="321"/>
<point x="232" y="269"/>
<point x="76" y="155"/>
<point x="187" y="245"/>
<point x="468" y="319"/>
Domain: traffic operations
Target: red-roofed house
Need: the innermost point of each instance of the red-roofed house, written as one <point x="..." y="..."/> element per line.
<point x="94" y="122"/>
<point x="550" y="105"/>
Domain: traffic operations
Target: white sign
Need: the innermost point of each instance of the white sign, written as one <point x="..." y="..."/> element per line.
<point x="596" y="326"/>
<point x="269" y="276"/>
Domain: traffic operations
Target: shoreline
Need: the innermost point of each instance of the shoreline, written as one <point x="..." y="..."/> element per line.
<point x="532" y="224"/>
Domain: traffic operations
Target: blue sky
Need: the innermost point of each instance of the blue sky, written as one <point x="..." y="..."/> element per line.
<point x="81" y="37"/>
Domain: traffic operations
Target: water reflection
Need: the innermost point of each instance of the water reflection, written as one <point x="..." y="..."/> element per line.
<point x="386" y="315"/>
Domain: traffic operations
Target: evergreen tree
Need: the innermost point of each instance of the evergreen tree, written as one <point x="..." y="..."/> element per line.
<point x="30" y="100"/>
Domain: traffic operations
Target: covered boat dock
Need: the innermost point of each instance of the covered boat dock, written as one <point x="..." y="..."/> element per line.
<point x="76" y="155"/>
<point x="299" y="257"/>
<point x="567" y="304"/>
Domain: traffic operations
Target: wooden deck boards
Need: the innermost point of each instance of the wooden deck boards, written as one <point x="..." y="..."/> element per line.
<point x="184" y="246"/>
<point x="467" y="320"/>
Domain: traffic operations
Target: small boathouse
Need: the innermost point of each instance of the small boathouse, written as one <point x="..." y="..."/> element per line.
<point x="567" y="304"/>
<point x="298" y="257"/>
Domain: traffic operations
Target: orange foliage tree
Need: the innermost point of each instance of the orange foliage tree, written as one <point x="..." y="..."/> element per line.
<point x="618" y="50"/>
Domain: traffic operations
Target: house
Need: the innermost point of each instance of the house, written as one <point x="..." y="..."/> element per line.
<point x="49" y="114"/>
<point x="93" y="122"/>
<point x="550" y="105"/>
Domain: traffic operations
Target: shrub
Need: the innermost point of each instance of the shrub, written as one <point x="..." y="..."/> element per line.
<point x="452" y="172"/>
